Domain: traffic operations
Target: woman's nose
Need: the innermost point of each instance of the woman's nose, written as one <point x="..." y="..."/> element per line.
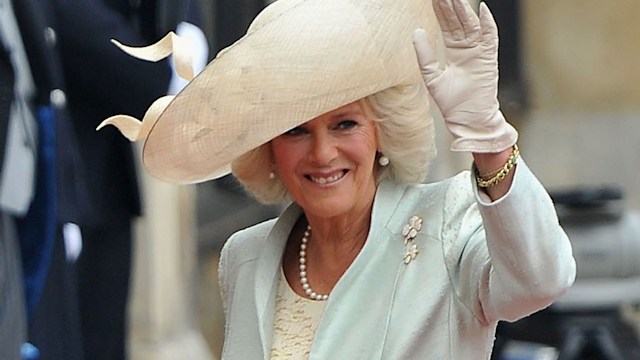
<point x="323" y="149"/>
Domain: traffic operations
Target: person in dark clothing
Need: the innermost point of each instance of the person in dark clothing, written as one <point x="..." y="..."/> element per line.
<point x="40" y="190"/>
<point x="96" y="72"/>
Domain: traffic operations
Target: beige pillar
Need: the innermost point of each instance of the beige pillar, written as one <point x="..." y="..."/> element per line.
<point x="162" y="307"/>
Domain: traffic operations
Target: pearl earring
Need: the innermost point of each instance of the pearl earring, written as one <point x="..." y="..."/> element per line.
<point x="272" y="175"/>
<point x="383" y="160"/>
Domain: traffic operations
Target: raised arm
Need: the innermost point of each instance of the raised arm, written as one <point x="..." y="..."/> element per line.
<point x="520" y="260"/>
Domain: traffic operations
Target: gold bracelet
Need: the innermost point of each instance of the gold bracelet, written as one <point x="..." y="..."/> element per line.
<point x="501" y="173"/>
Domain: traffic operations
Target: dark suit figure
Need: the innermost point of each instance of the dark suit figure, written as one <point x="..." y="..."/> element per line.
<point x="103" y="81"/>
<point x="46" y="282"/>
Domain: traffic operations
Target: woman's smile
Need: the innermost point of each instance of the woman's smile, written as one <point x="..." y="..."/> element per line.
<point x="327" y="179"/>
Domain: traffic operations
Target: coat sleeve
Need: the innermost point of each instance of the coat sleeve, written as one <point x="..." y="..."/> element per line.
<point x="514" y="258"/>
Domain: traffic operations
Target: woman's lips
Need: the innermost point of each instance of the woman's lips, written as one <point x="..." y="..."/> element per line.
<point x="327" y="179"/>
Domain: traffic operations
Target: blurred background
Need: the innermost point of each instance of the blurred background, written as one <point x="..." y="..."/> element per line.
<point x="570" y="84"/>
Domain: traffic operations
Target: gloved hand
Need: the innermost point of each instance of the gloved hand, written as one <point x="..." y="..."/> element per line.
<point x="466" y="87"/>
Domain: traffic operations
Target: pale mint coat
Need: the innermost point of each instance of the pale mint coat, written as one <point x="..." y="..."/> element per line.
<point x="442" y="305"/>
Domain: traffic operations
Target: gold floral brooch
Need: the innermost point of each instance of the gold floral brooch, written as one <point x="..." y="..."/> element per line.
<point x="410" y="231"/>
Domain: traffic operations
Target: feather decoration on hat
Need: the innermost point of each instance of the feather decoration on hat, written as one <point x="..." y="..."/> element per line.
<point x="171" y="44"/>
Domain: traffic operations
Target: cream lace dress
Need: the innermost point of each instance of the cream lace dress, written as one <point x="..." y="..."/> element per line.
<point x="296" y="319"/>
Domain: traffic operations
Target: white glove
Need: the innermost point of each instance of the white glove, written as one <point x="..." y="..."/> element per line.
<point x="466" y="87"/>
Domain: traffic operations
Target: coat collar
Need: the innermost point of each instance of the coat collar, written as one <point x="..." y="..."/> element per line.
<point x="375" y="259"/>
<point x="267" y="273"/>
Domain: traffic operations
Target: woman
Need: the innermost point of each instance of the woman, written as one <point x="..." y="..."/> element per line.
<point x="366" y="262"/>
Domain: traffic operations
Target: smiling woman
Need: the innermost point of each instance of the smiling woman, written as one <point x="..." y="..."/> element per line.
<point x="366" y="261"/>
<point x="404" y="134"/>
<point x="327" y="163"/>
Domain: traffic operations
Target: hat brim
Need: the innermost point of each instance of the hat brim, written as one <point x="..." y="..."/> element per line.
<point x="299" y="59"/>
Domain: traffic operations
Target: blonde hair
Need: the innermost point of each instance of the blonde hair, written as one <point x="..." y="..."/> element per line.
<point x="405" y="135"/>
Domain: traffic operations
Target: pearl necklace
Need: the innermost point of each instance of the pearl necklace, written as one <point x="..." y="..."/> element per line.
<point x="302" y="261"/>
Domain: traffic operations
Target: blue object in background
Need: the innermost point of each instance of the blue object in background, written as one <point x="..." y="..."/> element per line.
<point x="37" y="229"/>
<point x="29" y="352"/>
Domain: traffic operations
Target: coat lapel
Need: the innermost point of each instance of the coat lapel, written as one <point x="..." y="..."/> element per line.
<point x="267" y="274"/>
<point x="363" y="297"/>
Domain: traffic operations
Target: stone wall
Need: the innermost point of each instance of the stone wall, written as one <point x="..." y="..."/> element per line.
<point x="583" y="53"/>
<point x="582" y="64"/>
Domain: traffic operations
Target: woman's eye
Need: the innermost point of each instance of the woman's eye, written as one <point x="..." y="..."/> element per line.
<point x="347" y="124"/>
<point x="296" y="131"/>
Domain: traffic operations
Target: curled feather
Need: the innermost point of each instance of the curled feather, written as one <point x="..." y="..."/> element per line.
<point x="134" y="129"/>
<point x="128" y="126"/>
<point x="170" y="44"/>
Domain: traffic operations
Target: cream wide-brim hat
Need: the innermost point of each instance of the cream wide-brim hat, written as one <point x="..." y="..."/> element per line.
<point x="299" y="59"/>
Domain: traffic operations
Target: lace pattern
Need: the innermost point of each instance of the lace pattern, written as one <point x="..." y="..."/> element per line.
<point x="296" y="319"/>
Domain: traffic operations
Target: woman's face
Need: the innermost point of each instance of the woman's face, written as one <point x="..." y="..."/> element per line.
<point x="327" y="164"/>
